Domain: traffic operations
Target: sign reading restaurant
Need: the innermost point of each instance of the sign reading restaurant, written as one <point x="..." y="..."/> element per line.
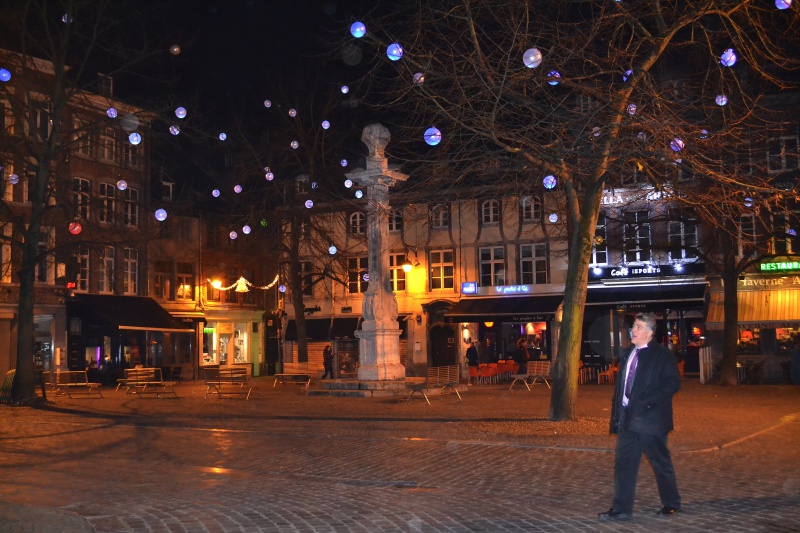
<point x="780" y="266"/>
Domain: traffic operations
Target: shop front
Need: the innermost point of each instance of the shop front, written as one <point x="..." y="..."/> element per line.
<point x="769" y="321"/>
<point x="232" y="339"/>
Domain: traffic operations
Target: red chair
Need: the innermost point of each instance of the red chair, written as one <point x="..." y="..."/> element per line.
<point x="473" y="374"/>
<point x="484" y="373"/>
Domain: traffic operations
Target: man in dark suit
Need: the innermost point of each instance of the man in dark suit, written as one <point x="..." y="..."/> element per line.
<point x="641" y="416"/>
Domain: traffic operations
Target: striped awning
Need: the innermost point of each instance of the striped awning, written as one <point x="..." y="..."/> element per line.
<point x="758" y="309"/>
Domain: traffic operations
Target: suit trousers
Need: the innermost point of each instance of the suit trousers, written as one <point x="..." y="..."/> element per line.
<point x="630" y="446"/>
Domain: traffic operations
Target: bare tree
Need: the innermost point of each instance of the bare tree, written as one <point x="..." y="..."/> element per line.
<point x="588" y="91"/>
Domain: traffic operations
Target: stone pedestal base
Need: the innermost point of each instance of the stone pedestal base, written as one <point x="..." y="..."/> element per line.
<point x="379" y="354"/>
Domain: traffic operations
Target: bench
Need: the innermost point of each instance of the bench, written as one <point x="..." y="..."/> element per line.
<point x="145" y="381"/>
<point x="537" y="371"/>
<point x="232" y="380"/>
<point x="439" y="377"/>
<point x="299" y="373"/>
<point x="71" y="382"/>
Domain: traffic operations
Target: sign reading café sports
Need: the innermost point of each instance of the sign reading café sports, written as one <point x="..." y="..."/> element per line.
<point x="780" y="266"/>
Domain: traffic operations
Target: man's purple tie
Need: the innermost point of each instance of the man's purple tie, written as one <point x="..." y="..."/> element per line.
<point x="631" y="372"/>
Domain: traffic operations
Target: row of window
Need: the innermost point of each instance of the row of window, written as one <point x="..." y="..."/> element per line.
<point x="106" y="270"/>
<point x="105" y="145"/>
<point x="107" y="202"/>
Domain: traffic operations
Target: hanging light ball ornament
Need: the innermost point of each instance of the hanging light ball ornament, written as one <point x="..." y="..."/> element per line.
<point x="282" y="287"/>
<point x="677" y="144"/>
<point x="66" y="18"/>
<point x="246" y="230"/>
<point x="325" y="124"/>
<point x="433" y="136"/>
<point x="783" y="4"/>
<point x="419" y="78"/>
<point x="309" y="204"/>
<point x="267" y="103"/>
<point x="135" y="138"/>
<point x="704" y="134"/>
<point x="270" y="176"/>
<point x="174" y="129"/>
<point x="293" y="112"/>
<point x="122" y="185"/>
<point x="348" y="183"/>
<point x="215" y="193"/>
<point x="129" y="123"/>
<point x="237" y="188"/>
<point x="642" y="136"/>
<point x="263" y="222"/>
<point x="345" y="89"/>
<point x="728" y="58"/>
<point x="75" y="228"/>
<point x="631" y="109"/>
<point x="343" y="162"/>
<point x="721" y="99"/>
<point x="295" y="145"/>
<point x="233" y="235"/>
<point x="5" y="75"/>
<point x="13" y="179"/>
<point x="359" y="194"/>
<point x="358" y="30"/>
<point x="314" y="185"/>
<point x="549" y="182"/>
<point x="748" y="202"/>
<point x="532" y="58"/>
<point x="554" y="76"/>
<point x="180" y="112"/>
<point x="161" y="215"/>
<point x="112" y="112"/>
<point x="223" y="136"/>
<point x="174" y="49"/>
<point x="332" y="250"/>
<point x="553" y="218"/>
<point x="394" y="51"/>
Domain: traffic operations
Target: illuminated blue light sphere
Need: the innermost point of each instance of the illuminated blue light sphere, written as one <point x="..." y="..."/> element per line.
<point x="223" y="136"/>
<point x="632" y="109"/>
<point x="112" y="113"/>
<point x="246" y="230"/>
<point x="215" y="193"/>
<point x="628" y="74"/>
<point x="553" y="218"/>
<point x="419" y="78"/>
<point x="295" y="145"/>
<point x="270" y="176"/>
<point x="293" y="112"/>
<point x="13" y="179"/>
<point x="66" y="18"/>
<point x="783" y="4"/>
<point x="309" y="204"/>
<point x="348" y="183"/>
<point x="233" y="235"/>
<point x="721" y="99"/>
<point x="549" y="182"/>
<point x="704" y="134"/>
<point x="748" y="202"/>
<point x="554" y="76"/>
<point x="237" y="188"/>
<point x="282" y="287"/>
<point x="433" y="136"/>
<point x="122" y="185"/>
<point x="792" y="232"/>
<point x="267" y="103"/>
<point x="174" y="129"/>
<point x="358" y="30"/>
<point x="728" y="58"/>
<point x="135" y="138"/>
<point x="325" y="124"/>
<point x="642" y="136"/>
<point x="394" y="51"/>
<point x="359" y="193"/>
<point x="343" y="162"/>
<point x="161" y="215"/>
<point x="332" y="250"/>
<point x="345" y="89"/>
<point x="596" y="131"/>
<point x="5" y="75"/>
<point x="180" y="112"/>
<point x="677" y="144"/>
<point x="532" y="58"/>
<point x="314" y="185"/>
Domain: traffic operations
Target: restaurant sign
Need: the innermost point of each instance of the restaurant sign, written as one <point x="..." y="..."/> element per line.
<point x="780" y="266"/>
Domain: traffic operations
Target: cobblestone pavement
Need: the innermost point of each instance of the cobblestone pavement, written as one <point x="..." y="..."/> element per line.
<point x="291" y="463"/>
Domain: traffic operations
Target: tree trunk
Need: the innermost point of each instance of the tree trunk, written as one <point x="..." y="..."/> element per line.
<point x="730" y="336"/>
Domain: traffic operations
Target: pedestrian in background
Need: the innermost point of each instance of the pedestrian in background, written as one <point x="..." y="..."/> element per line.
<point x="472" y="354"/>
<point x="641" y="417"/>
<point x="522" y="356"/>
<point x="327" y="361"/>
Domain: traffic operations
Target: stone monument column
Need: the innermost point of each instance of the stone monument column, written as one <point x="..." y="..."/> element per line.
<point x="379" y="336"/>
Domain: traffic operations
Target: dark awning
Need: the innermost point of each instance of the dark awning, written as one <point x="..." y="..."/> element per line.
<point x="321" y="329"/>
<point x="648" y="297"/>
<point x="507" y="309"/>
<point x="126" y="312"/>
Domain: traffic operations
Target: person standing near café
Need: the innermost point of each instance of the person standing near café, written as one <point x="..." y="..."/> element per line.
<point x="327" y="362"/>
<point x="472" y="354"/>
<point x="641" y="417"/>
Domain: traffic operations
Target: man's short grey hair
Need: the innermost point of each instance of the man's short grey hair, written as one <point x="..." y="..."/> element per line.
<point x="649" y="320"/>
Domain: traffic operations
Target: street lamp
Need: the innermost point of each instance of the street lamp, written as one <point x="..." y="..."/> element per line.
<point x="407" y="266"/>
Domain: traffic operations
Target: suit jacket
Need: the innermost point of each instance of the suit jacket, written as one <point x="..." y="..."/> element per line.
<point x="656" y="381"/>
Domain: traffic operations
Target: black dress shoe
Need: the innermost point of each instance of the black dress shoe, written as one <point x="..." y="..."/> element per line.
<point x="613" y="513"/>
<point x="666" y="510"/>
